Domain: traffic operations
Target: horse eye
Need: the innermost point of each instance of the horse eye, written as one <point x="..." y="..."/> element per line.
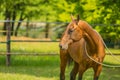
<point x="70" y="31"/>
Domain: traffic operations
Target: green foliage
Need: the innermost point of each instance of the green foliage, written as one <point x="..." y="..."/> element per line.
<point x="93" y="11"/>
<point x="62" y="9"/>
<point x="109" y="11"/>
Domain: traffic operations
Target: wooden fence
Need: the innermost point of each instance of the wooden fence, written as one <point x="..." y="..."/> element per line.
<point x="8" y="43"/>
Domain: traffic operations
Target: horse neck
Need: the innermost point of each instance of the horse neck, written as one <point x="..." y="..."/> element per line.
<point x="92" y="37"/>
<point x="90" y="42"/>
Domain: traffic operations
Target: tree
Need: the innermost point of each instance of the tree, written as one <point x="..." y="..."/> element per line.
<point x="109" y="11"/>
<point x="15" y="9"/>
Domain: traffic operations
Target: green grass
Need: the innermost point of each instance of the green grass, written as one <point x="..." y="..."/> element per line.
<point x="45" y="68"/>
<point x="30" y="68"/>
<point x="113" y="50"/>
<point x="109" y="59"/>
<point x="34" y="47"/>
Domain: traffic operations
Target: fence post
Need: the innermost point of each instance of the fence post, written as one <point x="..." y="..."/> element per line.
<point x="8" y="41"/>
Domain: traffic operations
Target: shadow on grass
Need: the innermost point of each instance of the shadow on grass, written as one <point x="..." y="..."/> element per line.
<point x="48" y="66"/>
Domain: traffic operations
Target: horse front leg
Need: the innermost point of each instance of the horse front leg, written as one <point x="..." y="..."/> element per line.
<point x="82" y="69"/>
<point x="97" y="70"/>
<point x="74" y="71"/>
<point x="63" y="63"/>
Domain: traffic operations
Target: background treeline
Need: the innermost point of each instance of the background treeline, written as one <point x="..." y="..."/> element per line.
<point x="103" y="15"/>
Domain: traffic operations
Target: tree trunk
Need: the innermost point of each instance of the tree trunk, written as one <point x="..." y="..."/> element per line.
<point x="47" y="30"/>
<point x="13" y="23"/>
<point x="19" y="23"/>
<point x="7" y="16"/>
<point x="27" y="28"/>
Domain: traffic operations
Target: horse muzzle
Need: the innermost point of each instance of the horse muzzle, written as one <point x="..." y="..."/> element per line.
<point x="65" y="45"/>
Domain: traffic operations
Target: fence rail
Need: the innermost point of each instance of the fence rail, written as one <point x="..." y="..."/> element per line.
<point x="36" y="54"/>
<point x="44" y="54"/>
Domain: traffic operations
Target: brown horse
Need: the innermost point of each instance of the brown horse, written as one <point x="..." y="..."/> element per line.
<point x="78" y="40"/>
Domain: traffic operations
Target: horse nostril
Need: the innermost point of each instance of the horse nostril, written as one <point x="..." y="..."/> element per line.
<point x="60" y="46"/>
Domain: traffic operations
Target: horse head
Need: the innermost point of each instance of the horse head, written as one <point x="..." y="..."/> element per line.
<point x="72" y="34"/>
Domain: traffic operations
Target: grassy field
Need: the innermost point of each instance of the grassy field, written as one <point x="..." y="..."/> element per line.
<point x="45" y="67"/>
<point x="34" y="47"/>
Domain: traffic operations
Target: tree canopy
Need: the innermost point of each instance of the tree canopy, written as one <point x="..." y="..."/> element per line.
<point x="93" y="11"/>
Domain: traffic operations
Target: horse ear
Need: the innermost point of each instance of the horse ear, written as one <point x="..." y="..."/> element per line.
<point x="72" y="17"/>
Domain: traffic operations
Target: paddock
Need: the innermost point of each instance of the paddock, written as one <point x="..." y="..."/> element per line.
<point x="28" y="61"/>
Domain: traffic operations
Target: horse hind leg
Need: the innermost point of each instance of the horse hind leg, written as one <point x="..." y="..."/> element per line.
<point x="97" y="70"/>
<point x="74" y="71"/>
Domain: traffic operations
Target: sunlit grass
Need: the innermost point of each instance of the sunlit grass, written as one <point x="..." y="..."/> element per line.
<point x="33" y="47"/>
<point x="17" y="76"/>
<point x="113" y="51"/>
<point x="39" y="47"/>
<point x="45" y="68"/>
<point x="30" y="68"/>
<point x="112" y="59"/>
